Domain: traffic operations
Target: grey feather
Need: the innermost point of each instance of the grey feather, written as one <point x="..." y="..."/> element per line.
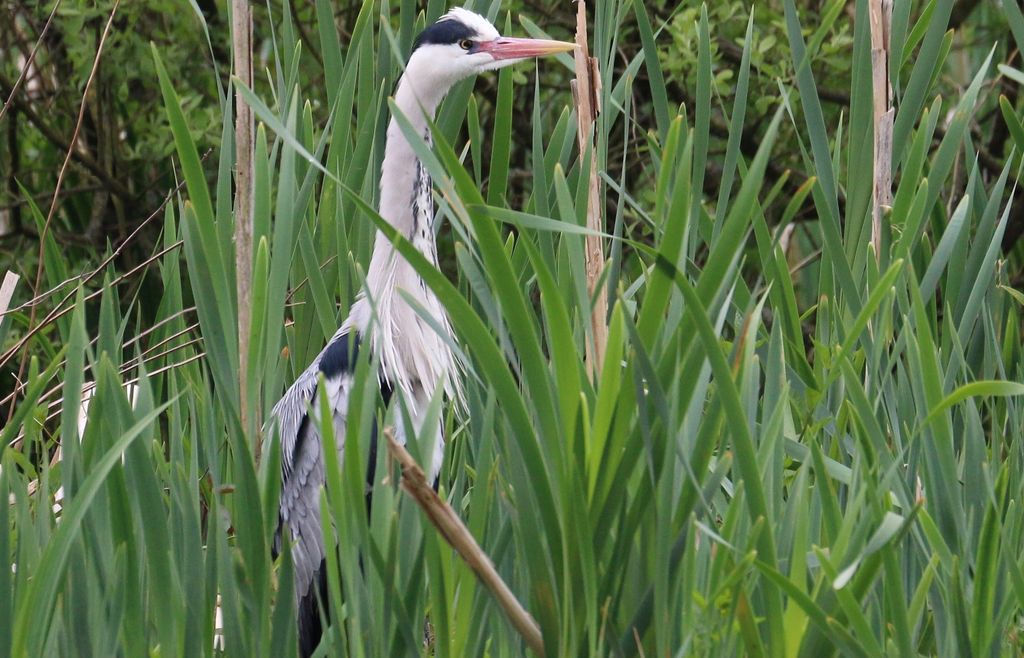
<point x="302" y="464"/>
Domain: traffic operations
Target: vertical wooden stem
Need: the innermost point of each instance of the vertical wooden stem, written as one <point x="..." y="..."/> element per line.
<point x="587" y="94"/>
<point x="880" y="16"/>
<point x="241" y="37"/>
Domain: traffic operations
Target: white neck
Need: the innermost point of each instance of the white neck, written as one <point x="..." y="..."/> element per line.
<point x="399" y="170"/>
<point x="413" y="356"/>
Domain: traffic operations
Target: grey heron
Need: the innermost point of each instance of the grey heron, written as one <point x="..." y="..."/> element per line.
<point x="415" y="360"/>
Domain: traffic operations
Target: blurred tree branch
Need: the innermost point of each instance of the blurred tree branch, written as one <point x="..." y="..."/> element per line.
<point x="963" y="9"/>
<point x="78" y="155"/>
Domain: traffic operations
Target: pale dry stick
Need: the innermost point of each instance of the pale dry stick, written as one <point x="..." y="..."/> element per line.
<point x="586" y="91"/>
<point x="7" y="291"/>
<point x="148" y="355"/>
<point x="55" y="407"/>
<point x="60" y="178"/>
<point x="804" y="262"/>
<point x="880" y="17"/>
<point x="170" y="318"/>
<point x="241" y="41"/>
<point x="454" y="531"/>
<point x="291" y="293"/>
<point x="28" y="62"/>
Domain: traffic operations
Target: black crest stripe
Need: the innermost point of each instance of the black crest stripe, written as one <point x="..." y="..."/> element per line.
<point x="445" y="32"/>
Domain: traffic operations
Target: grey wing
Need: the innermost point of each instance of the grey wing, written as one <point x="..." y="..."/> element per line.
<point x="302" y="465"/>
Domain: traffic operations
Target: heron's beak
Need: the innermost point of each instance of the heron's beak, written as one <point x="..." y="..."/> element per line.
<point x="505" y="48"/>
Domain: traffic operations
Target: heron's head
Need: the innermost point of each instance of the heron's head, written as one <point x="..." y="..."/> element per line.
<point x="463" y="43"/>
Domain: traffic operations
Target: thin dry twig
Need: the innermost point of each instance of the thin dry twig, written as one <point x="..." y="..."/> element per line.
<point x="28" y="62"/>
<point x="125" y="368"/>
<point x="21" y="385"/>
<point x="42" y="297"/>
<point x="454" y="531"/>
<point x="60" y="178"/>
<point x="54" y="407"/>
<point x="60" y="309"/>
<point x="170" y="318"/>
<point x="586" y="91"/>
<point x="81" y="156"/>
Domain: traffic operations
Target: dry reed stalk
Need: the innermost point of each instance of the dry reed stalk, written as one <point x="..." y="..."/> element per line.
<point x="454" y="531"/>
<point x="241" y="41"/>
<point x="586" y="91"/>
<point x="880" y="17"/>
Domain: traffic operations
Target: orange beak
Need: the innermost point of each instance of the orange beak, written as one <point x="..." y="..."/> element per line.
<point x="504" y="48"/>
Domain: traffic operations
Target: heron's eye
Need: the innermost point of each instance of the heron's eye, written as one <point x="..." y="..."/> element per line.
<point x="466" y="44"/>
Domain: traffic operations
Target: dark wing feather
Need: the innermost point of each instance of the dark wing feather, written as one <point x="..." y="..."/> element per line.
<point x="302" y="471"/>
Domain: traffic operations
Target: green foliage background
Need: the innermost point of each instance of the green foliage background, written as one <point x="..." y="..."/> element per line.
<point x="798" y="447"/>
